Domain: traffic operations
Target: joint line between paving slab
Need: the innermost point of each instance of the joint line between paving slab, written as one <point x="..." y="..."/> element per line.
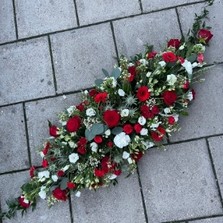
<point x="180" y="25"/>
<point x="140" y="5"/>
<point x="98" y="23"/>
<point x="27" y="134"/>
<point x="114" y="40"/>
<point x="142" y="196"/>
<point x="15" y="20"/>
<point x="76" y="12"/>
<point x="52" y="64"/>
<point x="71" y="210"/>
<point x="14" y="171"/>
<point x="215" y="173"/>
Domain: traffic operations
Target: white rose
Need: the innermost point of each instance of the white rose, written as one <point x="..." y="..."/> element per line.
<point x="121" y="140"/>
<point x="73" y="157"/>
<point x="142" y="120"/>
<point x="125" y="113"/>
<point x="144" y="132"/>
<point x="125" y="155"/>
<point x="121" y="93"/>
<point x="90" y="112"/>
<point x="94" y="147"/>
<point x="171" y="79"/>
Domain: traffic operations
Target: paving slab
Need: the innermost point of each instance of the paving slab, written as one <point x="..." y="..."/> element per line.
<point x="179" y="183"/>
<point x="209" y="220"/>
<point x="79" y="56"/>
<point x="215" y="53"/>
<point x="216" y="147"/>
<point x="12" y="139"/>
<point x="38" y="113"/>
<point x="205" y="112"/>
<point x="26" y="71"/>
<point x="120" y="203"/>
<point x="7" y="26"/>
<point x="35" y="17"/>
<point x="59" y="213"/>
<point x="151" y="5"/>
<point x="133" y="33"/>
<point x="90" y="11"/>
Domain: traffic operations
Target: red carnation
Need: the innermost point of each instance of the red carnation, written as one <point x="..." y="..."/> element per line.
<point x="60" y="173"/>
<point x="110" y="144"/>
<point x="111" y="118"/>
<point x="73" y="124"/>
<point x="22" y="202"/>
<point x="101" y="97"/>
<point x="81" y="150"/>
<point x="204" y="35"/>
<point x="53" y="131"/>
<point x="98" y="139"/>
<point x="128" y="129"/>
<point x="171" y="120"/>
<point x="169" y="97"/>
<point x="46" y="148"/>
<point x="132" y="71"/>
<point x="200" y="58"/>
<point x="82" y="141"/>
<point x="93" y="92"/>
<point x="151" y="55"/>
<point x="159" y="134"/>
<point x="60" y="194"/>
<point x="169" y="57"/>
<point x="137" y="128"/>
<point x="45" y="163"/>
<point x="32" y="171"/>
<point x="155" y="110"/>
<point x="117" y="172"/>
<point x="145" y="111"/>
<point x="174" y="43"/>
<point x="143" y="93"/>
<point x="80" y="107"/>
<point x="71" y="185"/>
<point x="99" y="173"/>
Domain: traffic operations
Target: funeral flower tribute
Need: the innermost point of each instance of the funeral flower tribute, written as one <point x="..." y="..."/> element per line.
<point x="129" y="111"/>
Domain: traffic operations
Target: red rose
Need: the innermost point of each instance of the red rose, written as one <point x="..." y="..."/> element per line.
<point x="98" y="139"/>
<point x="200" y="58"/>
<point x="23" y="203"/>
<point x="159" y="134"/>
<point x="46" y="148"/>
<point x="99" y="173"/>
<point x="71" y="185"/>
<point x="171" y="120"/>
<point x="117" y="172"/>
<point x="82" y="142"/>
<point x="110" y="144"/>
<point x="137" y="156"/>
<point x="45" y="163"/>
<point x="151" y="55"/>
<point x="169" y="97"/>
<point x="169" y="57"/>
<point x="132" y="71"/>
<point x="60" y="194"/>
<point x="60" y="173"/>
<point x="128" y="129"/>
<point x="73" y="124"/>
<point x="111" y="118"/>
<point x="174" y="43"/>
<point x="155" y="110"/>
<point x="143" y="93"/>
<point x="145" y="111"/>
<point x="81" y="150"/>
<point x="53" y="131"/>
<point x="93" y="92"/>
<point x="101" y="97"/>
<point x="137" y="128"/>
<point x="204" y="35"/>
<point x="32" y="171"/>
<point x="80" y="107"/>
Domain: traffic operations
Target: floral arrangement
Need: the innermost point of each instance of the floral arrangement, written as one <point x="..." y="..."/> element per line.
<point x="132" y="109"/>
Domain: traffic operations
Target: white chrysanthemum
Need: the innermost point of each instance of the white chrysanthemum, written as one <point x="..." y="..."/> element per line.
<point x="121" y="140"/>
<point x="43" y="174"/>
<point x="162" y="63"/>
<point x="54" y="178"/>
<point x="188" y="66"/>
<point x="90" y="112"/>
<point x="121" y="93"/>
<point x="73" y="157"/>
<point x="171" y="79"/>
<point x="142" y="120"/>
<point x="144" y="132"/>
<point x="42" y="192"/>
<point x="125" y="155"/>
<point x="125" y="113"/>
<point x="94" y="147"/>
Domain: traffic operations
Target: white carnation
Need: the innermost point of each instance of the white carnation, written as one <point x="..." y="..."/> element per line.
<point x="125" y="155"/>
<point x="121" y="140"/>
<point x="42" y="175"/>
<point x="90" y="112"/>
<point x="73" y="157"/>
<point x="171" y="79"/>
<point x="121" y="93"/>
<point x="144" y="132"/>
<point x="42" y="192"/>
<point x="94" y="147"/>
<point x="54" y="178"/>
<point x="142" y="120"/>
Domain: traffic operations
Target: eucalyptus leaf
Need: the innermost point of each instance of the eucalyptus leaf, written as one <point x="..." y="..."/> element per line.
<point x="63" y="183"/>
<point x="97" y="129"/>
<point x="116" y="73"/>
<point x="192" y="58"/>
<point x="105" y="72"/>
<point x="98" y="82"/>
<point x="89" y="134"/>
<point x="117" y="130"/>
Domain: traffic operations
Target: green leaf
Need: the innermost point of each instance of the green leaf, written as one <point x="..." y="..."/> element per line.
<point x="117" y="130"/>
<point x="63" y="183"/>
<point x="105" y="72"/>
<point x="116" y="73"/>
<point x="192" y="58"/>
<point x="98" y="82"/>
<point x="89" y="134"/>
<point x="97" y="129"/>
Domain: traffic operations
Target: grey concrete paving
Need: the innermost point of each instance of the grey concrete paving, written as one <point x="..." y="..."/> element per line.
<point x="59" y="52"/>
